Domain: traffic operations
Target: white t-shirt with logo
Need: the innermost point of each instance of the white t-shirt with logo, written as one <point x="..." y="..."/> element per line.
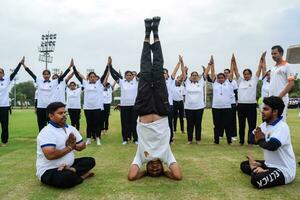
<point x="4" y="92"/>
<point x="73" y="98"/>
<point x="154" y="141"/>
<point x="177" y="93"/>
<point x="194" y="94"/>
<point x="45" y="92"/>
<point x="107" y="95"/>
<point x="279" y="79"/>
<point x="247" y="90"/>
<point x="222" y="94"/>
<point x="51" y="136"/>
<point x="93" y="95"/>
<point x="128" y="92"/>
<point x="59" y="93"/>
<point x="283" y="158"/>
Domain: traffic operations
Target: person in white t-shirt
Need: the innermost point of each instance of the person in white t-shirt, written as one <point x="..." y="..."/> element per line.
<point x="194" y="105"/>
<point x="221" y="105"/>
<point x="273" y="136"/>
<point x="93" y="102"/>
<point x="56" y="164"/>
<point x="128" y="87"/>
<point x="178" y="105"/>
<point x="152" y="107"/>
<point x="282" y="78"/>
<point x="46" y="88"/>
<point x="59" y="93"/>
<point x="107" y="94"/>
<point x="247" y="102"/>
<point x="4" y="101"/>
<point x="73" y="94"/>
<point x="170" y="82"/>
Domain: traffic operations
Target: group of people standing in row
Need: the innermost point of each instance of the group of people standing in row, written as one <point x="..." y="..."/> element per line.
<point x="186" y="97"/>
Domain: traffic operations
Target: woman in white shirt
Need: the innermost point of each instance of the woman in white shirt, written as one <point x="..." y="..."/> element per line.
<point x="178" y="105"/>
<point x="247" y="102"/>
<point x="73" y="104"/>
<point x="4" y="101"/>
<point x="107" y="94"/>
<point x="93" y="102"/>
<point x="194" y="105"/>
<point x="221" y="105"/>
<point x="128" y="87"/>
<point x="46" y="89"/>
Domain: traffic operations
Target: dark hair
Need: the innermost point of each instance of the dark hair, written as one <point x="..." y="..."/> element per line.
<point x="72" y="83"/>
<point x="134" y="72"/>
<point x="247" y="70"/>
<point x="227" y="70"/>
<point x="275" y="103"/>
<point x="46" y="70"/>
<point x="128" y="72"/>
<point x="90" y="73"/>
<point x="194" y="72"/>
<point x="52" y="107"/>
<point x="166" y="70"/>
<point x="154" y="173"/>
<point x="221" y="74"/>
<point x="279" y="48"/>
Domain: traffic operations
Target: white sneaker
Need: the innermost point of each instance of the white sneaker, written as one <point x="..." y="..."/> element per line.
<point x="233" y="138"/>
<point x="88" y="141"/>
<point x="98" y="141"/>
<point x="124" y="142"/>
<point x="136" y="142"/>
<point x="220" y="138"/>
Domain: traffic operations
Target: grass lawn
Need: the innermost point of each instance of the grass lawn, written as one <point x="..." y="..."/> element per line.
<point x="210" y="171"/>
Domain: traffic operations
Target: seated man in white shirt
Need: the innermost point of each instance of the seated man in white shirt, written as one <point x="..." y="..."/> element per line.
<point x="56" y="164"/>
<point x="152" y="107"/>
<point x="279" y="166"/>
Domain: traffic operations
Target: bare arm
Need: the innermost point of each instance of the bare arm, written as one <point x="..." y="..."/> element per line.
<point x="212" y="65"/>
<point x="207" y="69"/>
<point x="80" y="146"/>
<point x="113" y="85"/>
<point x="174" y="173"/>
<point x="182" y="68"/>
<point x="51" y="153"/>
<point x="69" y="77"/>
<point x="287" y="88"/>
<point x="235" y="68"/>
<point x="135" y="173"/>
<point x="173" y="75"/>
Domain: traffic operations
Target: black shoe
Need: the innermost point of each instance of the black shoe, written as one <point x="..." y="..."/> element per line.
<point x="148" y="25"/>
<point x="155" y="24"/>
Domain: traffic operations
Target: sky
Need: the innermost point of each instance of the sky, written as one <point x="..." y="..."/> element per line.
<point x="89" y="31"/>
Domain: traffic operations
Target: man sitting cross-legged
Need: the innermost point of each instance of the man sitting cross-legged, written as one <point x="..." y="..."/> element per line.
<point x="152" y="107"/>
<point x="56" y="165"/>
<point x="279" y="166"/>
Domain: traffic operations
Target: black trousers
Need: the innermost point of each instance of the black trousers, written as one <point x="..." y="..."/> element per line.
<point x="94" y="122"/>
<point x="152" y="96"/>
<point x="170" y="119"/>
<point x="4" y="119"/>
<point x="221" y="120"/>
<point x="106" y="114"/>
<point x="247" y="112"/>
<point x="128" y="123"/>
<point x="75" y="117"/>
<point x="194" y="120"/>
<point x="42" y="117"/>
<point x="178" y="110"/>
<point x="270" y="178"/>
<point x="67" y="178"/>
<point x="233" y="128"/>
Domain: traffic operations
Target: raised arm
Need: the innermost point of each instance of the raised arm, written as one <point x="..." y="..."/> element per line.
<point x="12" y="75"/>
<point x="212" y="68"/>
<point x="61" y="77"/>
<point x="79" y="76"/>
<point x="69" y="77"/>
<point x="182" y="67"/>
<point x="235" y="68"/>
<point x="29" y="71"/>
<point x="261" y="61"/>
<point x="231" y="71"/>
<point x="263" y="64"/>
<point x="173" y="75"/>
<point x="113" y="85"/>
<point x="106" y="77"/>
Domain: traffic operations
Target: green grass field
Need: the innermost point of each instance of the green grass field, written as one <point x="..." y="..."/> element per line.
<point x="209" y="171"/>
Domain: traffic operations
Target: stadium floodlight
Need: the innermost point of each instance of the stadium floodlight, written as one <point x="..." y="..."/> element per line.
<point x="47" y="46"/>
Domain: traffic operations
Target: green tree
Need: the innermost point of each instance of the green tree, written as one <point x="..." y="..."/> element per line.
<point x="24" y="92"/>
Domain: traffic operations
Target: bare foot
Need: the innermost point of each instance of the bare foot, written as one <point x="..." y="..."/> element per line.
<point x="88" y="175"/>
